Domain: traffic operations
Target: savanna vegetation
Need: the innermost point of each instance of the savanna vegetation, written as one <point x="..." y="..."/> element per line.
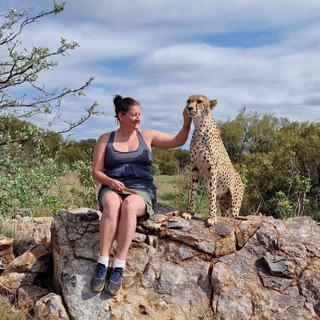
<point x="277" y="159"/>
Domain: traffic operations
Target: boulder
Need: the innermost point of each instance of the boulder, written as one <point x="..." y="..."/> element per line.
<point x="31" y="230"/>
<point x="250" y="268"/>
<point x="6" y="252"/>
<point x="168" y="267"/>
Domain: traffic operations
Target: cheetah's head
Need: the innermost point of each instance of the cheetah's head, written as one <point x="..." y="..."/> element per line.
<point x="198" y="106"/>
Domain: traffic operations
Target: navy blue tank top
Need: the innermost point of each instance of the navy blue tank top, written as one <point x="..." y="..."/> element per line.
<point x="132" y="168"/>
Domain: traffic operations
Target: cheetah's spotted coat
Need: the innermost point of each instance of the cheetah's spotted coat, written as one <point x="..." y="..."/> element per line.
<point x="210" y="159"/>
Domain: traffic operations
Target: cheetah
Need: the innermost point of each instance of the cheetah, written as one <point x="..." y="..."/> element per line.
<point x="210" y="159"/>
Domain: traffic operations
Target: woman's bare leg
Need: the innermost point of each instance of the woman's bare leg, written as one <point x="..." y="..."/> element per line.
<point x="111" y="202"/>
<point x="132" y="207"/>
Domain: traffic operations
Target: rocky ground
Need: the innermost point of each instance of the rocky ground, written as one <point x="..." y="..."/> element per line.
<point x="250" y="268"/>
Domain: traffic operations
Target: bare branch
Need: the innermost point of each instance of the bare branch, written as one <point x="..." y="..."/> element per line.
<point x="34" y="104"/>
<point x="16" y="17"/>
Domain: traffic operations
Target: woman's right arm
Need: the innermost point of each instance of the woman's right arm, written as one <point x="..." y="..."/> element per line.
<point x="97" y="167"/>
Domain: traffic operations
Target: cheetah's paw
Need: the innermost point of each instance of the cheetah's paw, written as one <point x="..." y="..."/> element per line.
<point x="186" y="216"/>
<point x="212" y="221"/>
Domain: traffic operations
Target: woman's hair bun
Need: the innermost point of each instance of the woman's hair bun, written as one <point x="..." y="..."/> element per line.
<point x="117" y="100"/>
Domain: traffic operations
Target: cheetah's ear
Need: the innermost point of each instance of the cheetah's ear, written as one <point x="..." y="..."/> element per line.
<point x="213" y="103"/>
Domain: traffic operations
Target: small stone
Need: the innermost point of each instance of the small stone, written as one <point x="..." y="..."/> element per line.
<point x="50" y="307"/>
<point x="34" y="260"/>
<point x="279" y="266"/>
<point x="28" y="295"/>
<point x="11" y="282"/>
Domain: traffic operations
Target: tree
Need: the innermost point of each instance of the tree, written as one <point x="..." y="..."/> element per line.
<point x="28" y="154"/>
<point x="248" y="132"/>
<point x="19" y="72"/>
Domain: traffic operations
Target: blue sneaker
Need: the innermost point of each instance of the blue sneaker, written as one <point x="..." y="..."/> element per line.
<point x="99" y="277"/>
<point x="113" y="285"/>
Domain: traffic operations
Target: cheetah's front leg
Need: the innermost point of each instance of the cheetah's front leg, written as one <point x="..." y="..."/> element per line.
<point x="213" y="200"/>
<point x="194" y="181"/>
<point x="237" y="196"/>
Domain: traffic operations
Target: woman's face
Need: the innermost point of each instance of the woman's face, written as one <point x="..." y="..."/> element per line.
<point x="132" y="118"/>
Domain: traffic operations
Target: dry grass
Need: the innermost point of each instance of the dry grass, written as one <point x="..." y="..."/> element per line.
<point x="10" y="312"/>
<point x="70" y="187"/>
<point x="174" y="190"/>
<point x="167" y="188"/>
<point x="66" y="187"/>
<point x="68" y="193"/>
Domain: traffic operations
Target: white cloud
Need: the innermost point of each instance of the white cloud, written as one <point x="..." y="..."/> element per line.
<point x="233" y="13"/>
<point x="160" y="52"/>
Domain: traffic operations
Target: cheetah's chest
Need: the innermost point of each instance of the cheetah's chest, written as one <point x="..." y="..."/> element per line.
<point x="204" y="156"/>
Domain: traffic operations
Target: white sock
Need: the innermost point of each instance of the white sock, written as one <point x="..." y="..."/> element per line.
<point x="104" y="260"/>
<point x="119" y="263"/>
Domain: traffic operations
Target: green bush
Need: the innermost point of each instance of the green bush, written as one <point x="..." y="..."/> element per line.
<point x="27" y="181"/>
<point x="170" y="167"/>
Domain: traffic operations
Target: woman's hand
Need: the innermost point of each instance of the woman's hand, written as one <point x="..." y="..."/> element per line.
<point x="116" y="185"/>
<point x="186" y="119"/>
<point x="160" y="139"/>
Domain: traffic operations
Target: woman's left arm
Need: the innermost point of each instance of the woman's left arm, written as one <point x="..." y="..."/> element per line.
<point x="165" y="140"/>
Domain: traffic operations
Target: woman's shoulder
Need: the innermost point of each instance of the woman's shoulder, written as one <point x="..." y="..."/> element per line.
<point x="151" y="134"/>
<point x="104" y="137"/>
<point x="147" y="134"/>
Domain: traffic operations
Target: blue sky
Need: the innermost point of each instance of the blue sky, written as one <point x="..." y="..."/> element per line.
<point x="264" y="56"/>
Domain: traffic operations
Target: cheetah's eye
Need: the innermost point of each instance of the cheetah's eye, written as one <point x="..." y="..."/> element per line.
<point x="188" y="101"/>
<point x="199" y="101"/>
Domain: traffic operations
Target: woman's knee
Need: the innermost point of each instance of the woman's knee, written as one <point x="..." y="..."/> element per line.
<point x="111" y="203"/>
<point x="133" y="205"/>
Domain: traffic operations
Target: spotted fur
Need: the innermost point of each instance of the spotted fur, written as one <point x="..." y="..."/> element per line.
<point x="210" y="159"/>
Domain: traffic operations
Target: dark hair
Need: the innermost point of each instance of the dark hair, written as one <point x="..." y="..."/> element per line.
<point x="122" y="105"/>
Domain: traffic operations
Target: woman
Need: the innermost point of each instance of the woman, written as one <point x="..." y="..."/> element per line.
<point x="122" y="164"/>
